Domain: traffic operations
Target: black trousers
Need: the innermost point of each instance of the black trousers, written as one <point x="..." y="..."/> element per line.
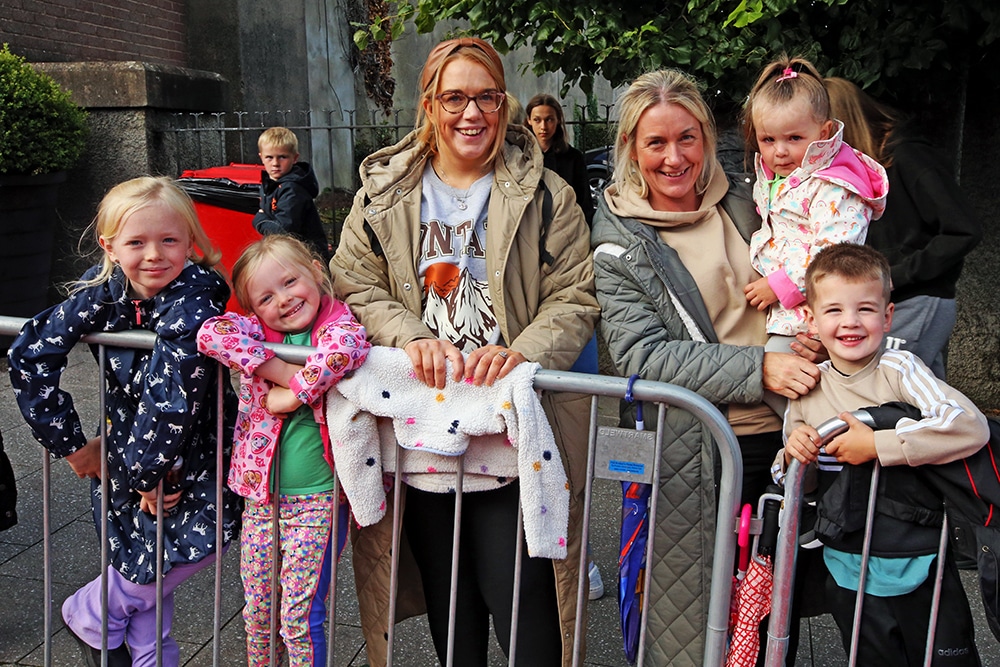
<point x="894" y="629"/>
<point x="485" y="577"/>
<point x="758" y="452"/>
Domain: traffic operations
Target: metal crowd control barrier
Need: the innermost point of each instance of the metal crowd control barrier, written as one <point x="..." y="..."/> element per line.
<point x="11" y="326"/>
<point x="651" y="392"/>
<point x="787" y="552"/>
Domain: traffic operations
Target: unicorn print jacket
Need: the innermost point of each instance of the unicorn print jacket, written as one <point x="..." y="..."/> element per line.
<point x="160" y="411"/>
<point x="830" y="199"/>
<point x="237" y="341"/>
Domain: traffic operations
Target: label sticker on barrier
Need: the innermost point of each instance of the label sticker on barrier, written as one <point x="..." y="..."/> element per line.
<point x="624" y="454"/>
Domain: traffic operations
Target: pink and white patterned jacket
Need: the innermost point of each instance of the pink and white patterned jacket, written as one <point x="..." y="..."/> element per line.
<point x="236" y="340"/>
<point x="830" y="199"/>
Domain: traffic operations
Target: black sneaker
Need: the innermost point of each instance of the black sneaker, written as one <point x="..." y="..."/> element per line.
<point x="117" y="657"/>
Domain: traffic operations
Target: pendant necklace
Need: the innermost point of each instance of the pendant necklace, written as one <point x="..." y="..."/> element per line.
<point x="461" y="198"/>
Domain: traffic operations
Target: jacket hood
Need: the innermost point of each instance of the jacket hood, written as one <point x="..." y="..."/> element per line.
<point x="397" y="169"/>
<point x="628" y="204"/>
<point x="301" y="174"/>
<point x="833" y="160"/>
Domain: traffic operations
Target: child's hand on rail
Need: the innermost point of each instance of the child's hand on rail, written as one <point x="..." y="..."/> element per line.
<point x="86" y="461"/>
<point x="856" y="445"/>
<point x="803" y="444"/>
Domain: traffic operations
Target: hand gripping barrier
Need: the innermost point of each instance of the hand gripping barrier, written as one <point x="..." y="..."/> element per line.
<point x="878" y="418"/>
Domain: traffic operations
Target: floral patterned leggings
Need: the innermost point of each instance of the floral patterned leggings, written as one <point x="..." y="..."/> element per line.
<point x="305" y="523"/>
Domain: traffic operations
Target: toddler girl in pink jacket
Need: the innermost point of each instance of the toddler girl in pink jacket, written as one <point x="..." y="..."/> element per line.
<point x="282" y="425"/>
<point x="812" y="190"/>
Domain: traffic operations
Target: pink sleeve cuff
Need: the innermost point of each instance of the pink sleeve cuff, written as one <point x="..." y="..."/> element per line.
<point x="257" y="354"/>
<point x="300" y="390"/>
<point x="294" y="385"/>
<point x="788" y="293"/>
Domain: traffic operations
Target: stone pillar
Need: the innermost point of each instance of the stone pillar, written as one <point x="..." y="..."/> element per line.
<point x="974" y="352"/>
<point x="331" y="91"/>
<point x="126" y="102"/>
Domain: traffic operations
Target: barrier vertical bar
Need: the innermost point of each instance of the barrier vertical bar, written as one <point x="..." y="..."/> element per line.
<point x="160" y="550"/>
<point x="661" y="416"/>
<point x="730" y="489"/>
<point x="456" y="536"/>
<point x="105" y="487"/>
<point x="516" y="604"/>
<point x="220" y="481"/>
<point x="47" y="554"/>
<point x="936" y="598"/>
<point x="275" y="556"/>
<point x="397" y="519"/>
<point x="785" y="558"/>
<point x="866" y="550"/>
<point x="578" y="629"/>
<point x="332" y="592"/>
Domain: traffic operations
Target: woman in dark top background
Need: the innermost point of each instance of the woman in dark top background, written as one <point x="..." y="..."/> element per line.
<point x="545" y="119"/>
<point x="928" y="227"/>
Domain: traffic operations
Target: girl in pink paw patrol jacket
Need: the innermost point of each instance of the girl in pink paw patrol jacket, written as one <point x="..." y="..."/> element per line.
<point x="812" y="190"/>
<point x="282" y="422"/>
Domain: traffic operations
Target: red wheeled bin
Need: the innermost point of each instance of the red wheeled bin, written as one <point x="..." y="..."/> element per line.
<point x="226" y="199"/>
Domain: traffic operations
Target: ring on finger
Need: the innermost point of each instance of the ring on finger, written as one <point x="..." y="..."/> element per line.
<point x="503" y="354"/>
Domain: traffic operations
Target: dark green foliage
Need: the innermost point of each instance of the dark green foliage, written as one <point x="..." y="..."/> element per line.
<point x="901" y="49"/>
<point x="41" y="129"/>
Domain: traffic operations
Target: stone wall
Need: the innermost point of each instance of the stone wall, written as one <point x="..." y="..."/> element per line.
<point x="126" y="102"/>
<point x="974" y="353"/>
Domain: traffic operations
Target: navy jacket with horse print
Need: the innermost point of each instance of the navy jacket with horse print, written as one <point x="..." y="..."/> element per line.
<point x="160" y="411"/>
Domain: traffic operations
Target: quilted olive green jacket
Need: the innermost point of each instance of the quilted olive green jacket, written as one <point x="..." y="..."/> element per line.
<point x="656" y="324"/>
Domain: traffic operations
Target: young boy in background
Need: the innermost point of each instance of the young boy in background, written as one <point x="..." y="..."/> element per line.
<point x="287" y="190"/>
<point x="847" y="292"/>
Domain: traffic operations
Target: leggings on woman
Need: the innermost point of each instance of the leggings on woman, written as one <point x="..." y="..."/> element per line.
<point x="485" y="577"/>
<point x="305" y="523"/>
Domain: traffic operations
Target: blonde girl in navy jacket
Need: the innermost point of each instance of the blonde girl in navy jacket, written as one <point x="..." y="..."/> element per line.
<point x="160" y="412"/>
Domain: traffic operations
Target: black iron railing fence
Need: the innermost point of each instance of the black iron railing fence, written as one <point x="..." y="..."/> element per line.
<point x="202" y="140"/>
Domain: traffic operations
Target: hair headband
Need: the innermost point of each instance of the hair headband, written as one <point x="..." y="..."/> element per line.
<point x="448" y="47"/>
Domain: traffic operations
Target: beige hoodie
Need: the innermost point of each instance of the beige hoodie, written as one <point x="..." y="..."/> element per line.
<point x="718" y="258"/>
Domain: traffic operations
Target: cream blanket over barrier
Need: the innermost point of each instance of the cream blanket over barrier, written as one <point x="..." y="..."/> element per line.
<point x="441" y="421"/>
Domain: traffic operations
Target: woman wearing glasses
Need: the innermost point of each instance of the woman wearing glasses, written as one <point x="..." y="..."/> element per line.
<point x="465" y="252"/>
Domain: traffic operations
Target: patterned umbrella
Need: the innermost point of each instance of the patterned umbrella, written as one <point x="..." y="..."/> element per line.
<point x="632" y="562"/>
<point x="752" y="597"/>
<point x="743" y="542"/>
<point x="753" y="603"/>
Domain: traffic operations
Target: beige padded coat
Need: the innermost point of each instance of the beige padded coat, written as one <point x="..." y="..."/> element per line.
<point x="545" y="306"/>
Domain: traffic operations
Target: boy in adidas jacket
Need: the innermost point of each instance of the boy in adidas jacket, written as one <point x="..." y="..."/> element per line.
<point x="847" y="290"/>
